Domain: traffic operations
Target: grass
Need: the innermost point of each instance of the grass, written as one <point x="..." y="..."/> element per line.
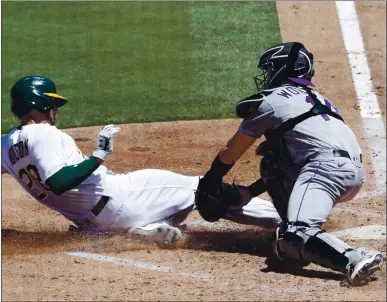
<point x="122" y="62"/>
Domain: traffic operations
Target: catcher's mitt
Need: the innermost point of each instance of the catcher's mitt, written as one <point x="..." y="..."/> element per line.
<point x="214" y="205"/>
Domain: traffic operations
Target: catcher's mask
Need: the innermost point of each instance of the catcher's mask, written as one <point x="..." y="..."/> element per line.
<point x="34" y="92"/>
<point x="283" y="61"/>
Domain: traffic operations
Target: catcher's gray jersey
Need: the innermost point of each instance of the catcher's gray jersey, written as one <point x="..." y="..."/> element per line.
<point x="324" y="178"/>
<point x="314" y="135"/>
<point x="329" y="156"/>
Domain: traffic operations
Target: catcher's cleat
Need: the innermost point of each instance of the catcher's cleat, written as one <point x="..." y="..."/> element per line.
<point x="359" y="272"/>
<point x="160" y="233"/>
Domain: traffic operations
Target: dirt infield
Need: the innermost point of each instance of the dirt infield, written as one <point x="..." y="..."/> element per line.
<point x="223" y="261"/>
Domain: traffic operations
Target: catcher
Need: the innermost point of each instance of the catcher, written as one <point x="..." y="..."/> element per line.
<point x="311" y="161"/>
<point x="47" y="163"/>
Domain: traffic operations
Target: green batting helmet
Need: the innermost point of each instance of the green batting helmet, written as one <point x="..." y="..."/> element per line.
<point x="34" y="92"/>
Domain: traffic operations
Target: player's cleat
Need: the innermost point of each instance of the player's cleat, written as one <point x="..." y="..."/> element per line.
<point x="158" y="232"/>
<point x="359" y="272"/>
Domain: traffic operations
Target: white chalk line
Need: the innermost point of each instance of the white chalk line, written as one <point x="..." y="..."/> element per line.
<point x="199" y="276"/>
<point x="348" y="234"/>
<point x="140" y="264"/>
<point x="374" y="232"/>
<point x="367" y="102"/>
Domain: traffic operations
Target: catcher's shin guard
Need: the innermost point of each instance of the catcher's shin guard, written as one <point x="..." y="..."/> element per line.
<point x="305" y="245"/>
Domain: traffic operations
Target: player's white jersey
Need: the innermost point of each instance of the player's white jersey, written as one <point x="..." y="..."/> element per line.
<point x="34" y="153"/>
<point x="316" y="134"/>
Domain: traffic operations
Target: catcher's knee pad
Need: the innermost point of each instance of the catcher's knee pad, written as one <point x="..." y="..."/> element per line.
<point x="302" y="243"/>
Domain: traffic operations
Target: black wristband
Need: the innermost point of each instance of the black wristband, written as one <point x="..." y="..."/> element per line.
<point x="219" y="169"/>
<point x="257" y="188"/>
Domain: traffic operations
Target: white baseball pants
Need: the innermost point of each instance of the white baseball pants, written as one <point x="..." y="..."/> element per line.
<point x="145" y="196"/>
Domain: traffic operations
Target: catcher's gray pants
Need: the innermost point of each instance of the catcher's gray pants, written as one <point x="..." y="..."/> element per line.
<point x="322" y="183"/>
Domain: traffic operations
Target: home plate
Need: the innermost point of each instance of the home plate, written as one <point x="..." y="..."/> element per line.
<point x="365" y="232"/>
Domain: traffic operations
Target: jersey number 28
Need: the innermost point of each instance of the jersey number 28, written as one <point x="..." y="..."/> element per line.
<point x="30" y="176"/>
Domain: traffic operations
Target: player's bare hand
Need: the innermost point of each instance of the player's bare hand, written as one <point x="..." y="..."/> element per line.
<point x="105" y="141"/>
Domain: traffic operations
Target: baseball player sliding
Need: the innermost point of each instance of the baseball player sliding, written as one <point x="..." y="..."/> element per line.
<point x="48" y="165"/>
<point x="311" y="161"/>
